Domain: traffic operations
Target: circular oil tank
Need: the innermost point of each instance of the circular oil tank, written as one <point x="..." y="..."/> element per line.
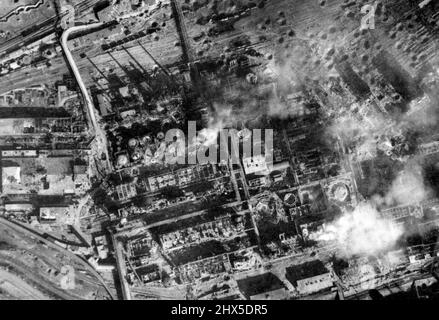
<point x="290" y="199"/>
<point x="146" y="140"/>
<point x="26" y="60"/>
<point x="132" y="143"/>
<point x="160" y="135"/>
<point x="122" y="160"/>
<point x="48" y="54"/>
<point x="136" y="155"/>
<point x="147" y="156"/>
<point x="340" y="192"/>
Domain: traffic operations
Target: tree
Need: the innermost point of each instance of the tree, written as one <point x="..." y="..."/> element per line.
<point x="102" y="198"/>
<point x="172" y="192"/>
<point x="99" y="196"/>
<point x="141" y="201"/>
<point x="41" y="170"/>
<point x="338" y="264"/>
<point x="201" y="187"/>
<point x="166" y="279"/>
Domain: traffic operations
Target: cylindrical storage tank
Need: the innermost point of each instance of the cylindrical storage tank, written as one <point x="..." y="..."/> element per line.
<point x="146" y="140"/>
<point x="122" y="160"/>
<point x="290" y="199"/>
<point x="340" y="192"/>
<point x="132" y="143"/>
<point x="136" y="155"/>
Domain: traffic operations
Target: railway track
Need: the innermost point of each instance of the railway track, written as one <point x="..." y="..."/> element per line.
<point x="42" y="29"/>
<point x="19" y="228"/>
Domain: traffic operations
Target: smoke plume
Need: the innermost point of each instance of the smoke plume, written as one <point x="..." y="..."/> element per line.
<point x="362" y="232"/>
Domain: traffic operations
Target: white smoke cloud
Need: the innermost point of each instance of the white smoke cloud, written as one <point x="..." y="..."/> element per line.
<point x="362" y="231"/>
<point x="421" y="112"/>
<point x="408" y="187"/>
<point x="208" y="136"/>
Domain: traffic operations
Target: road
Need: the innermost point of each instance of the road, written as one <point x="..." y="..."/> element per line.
<point x="64" y="44"/>
<point x="100" y="135"/>
<point x="121" y="268"/>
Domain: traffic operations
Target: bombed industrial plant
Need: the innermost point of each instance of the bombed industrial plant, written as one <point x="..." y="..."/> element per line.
<point x="219" y="149"/>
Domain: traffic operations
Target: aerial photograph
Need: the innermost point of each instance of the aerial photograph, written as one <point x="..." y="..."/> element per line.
<point x="226" y="150"/>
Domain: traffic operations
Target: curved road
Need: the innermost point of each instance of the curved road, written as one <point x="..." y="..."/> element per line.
<point x="88" y="101"/>
<point x="100" y="136"/>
